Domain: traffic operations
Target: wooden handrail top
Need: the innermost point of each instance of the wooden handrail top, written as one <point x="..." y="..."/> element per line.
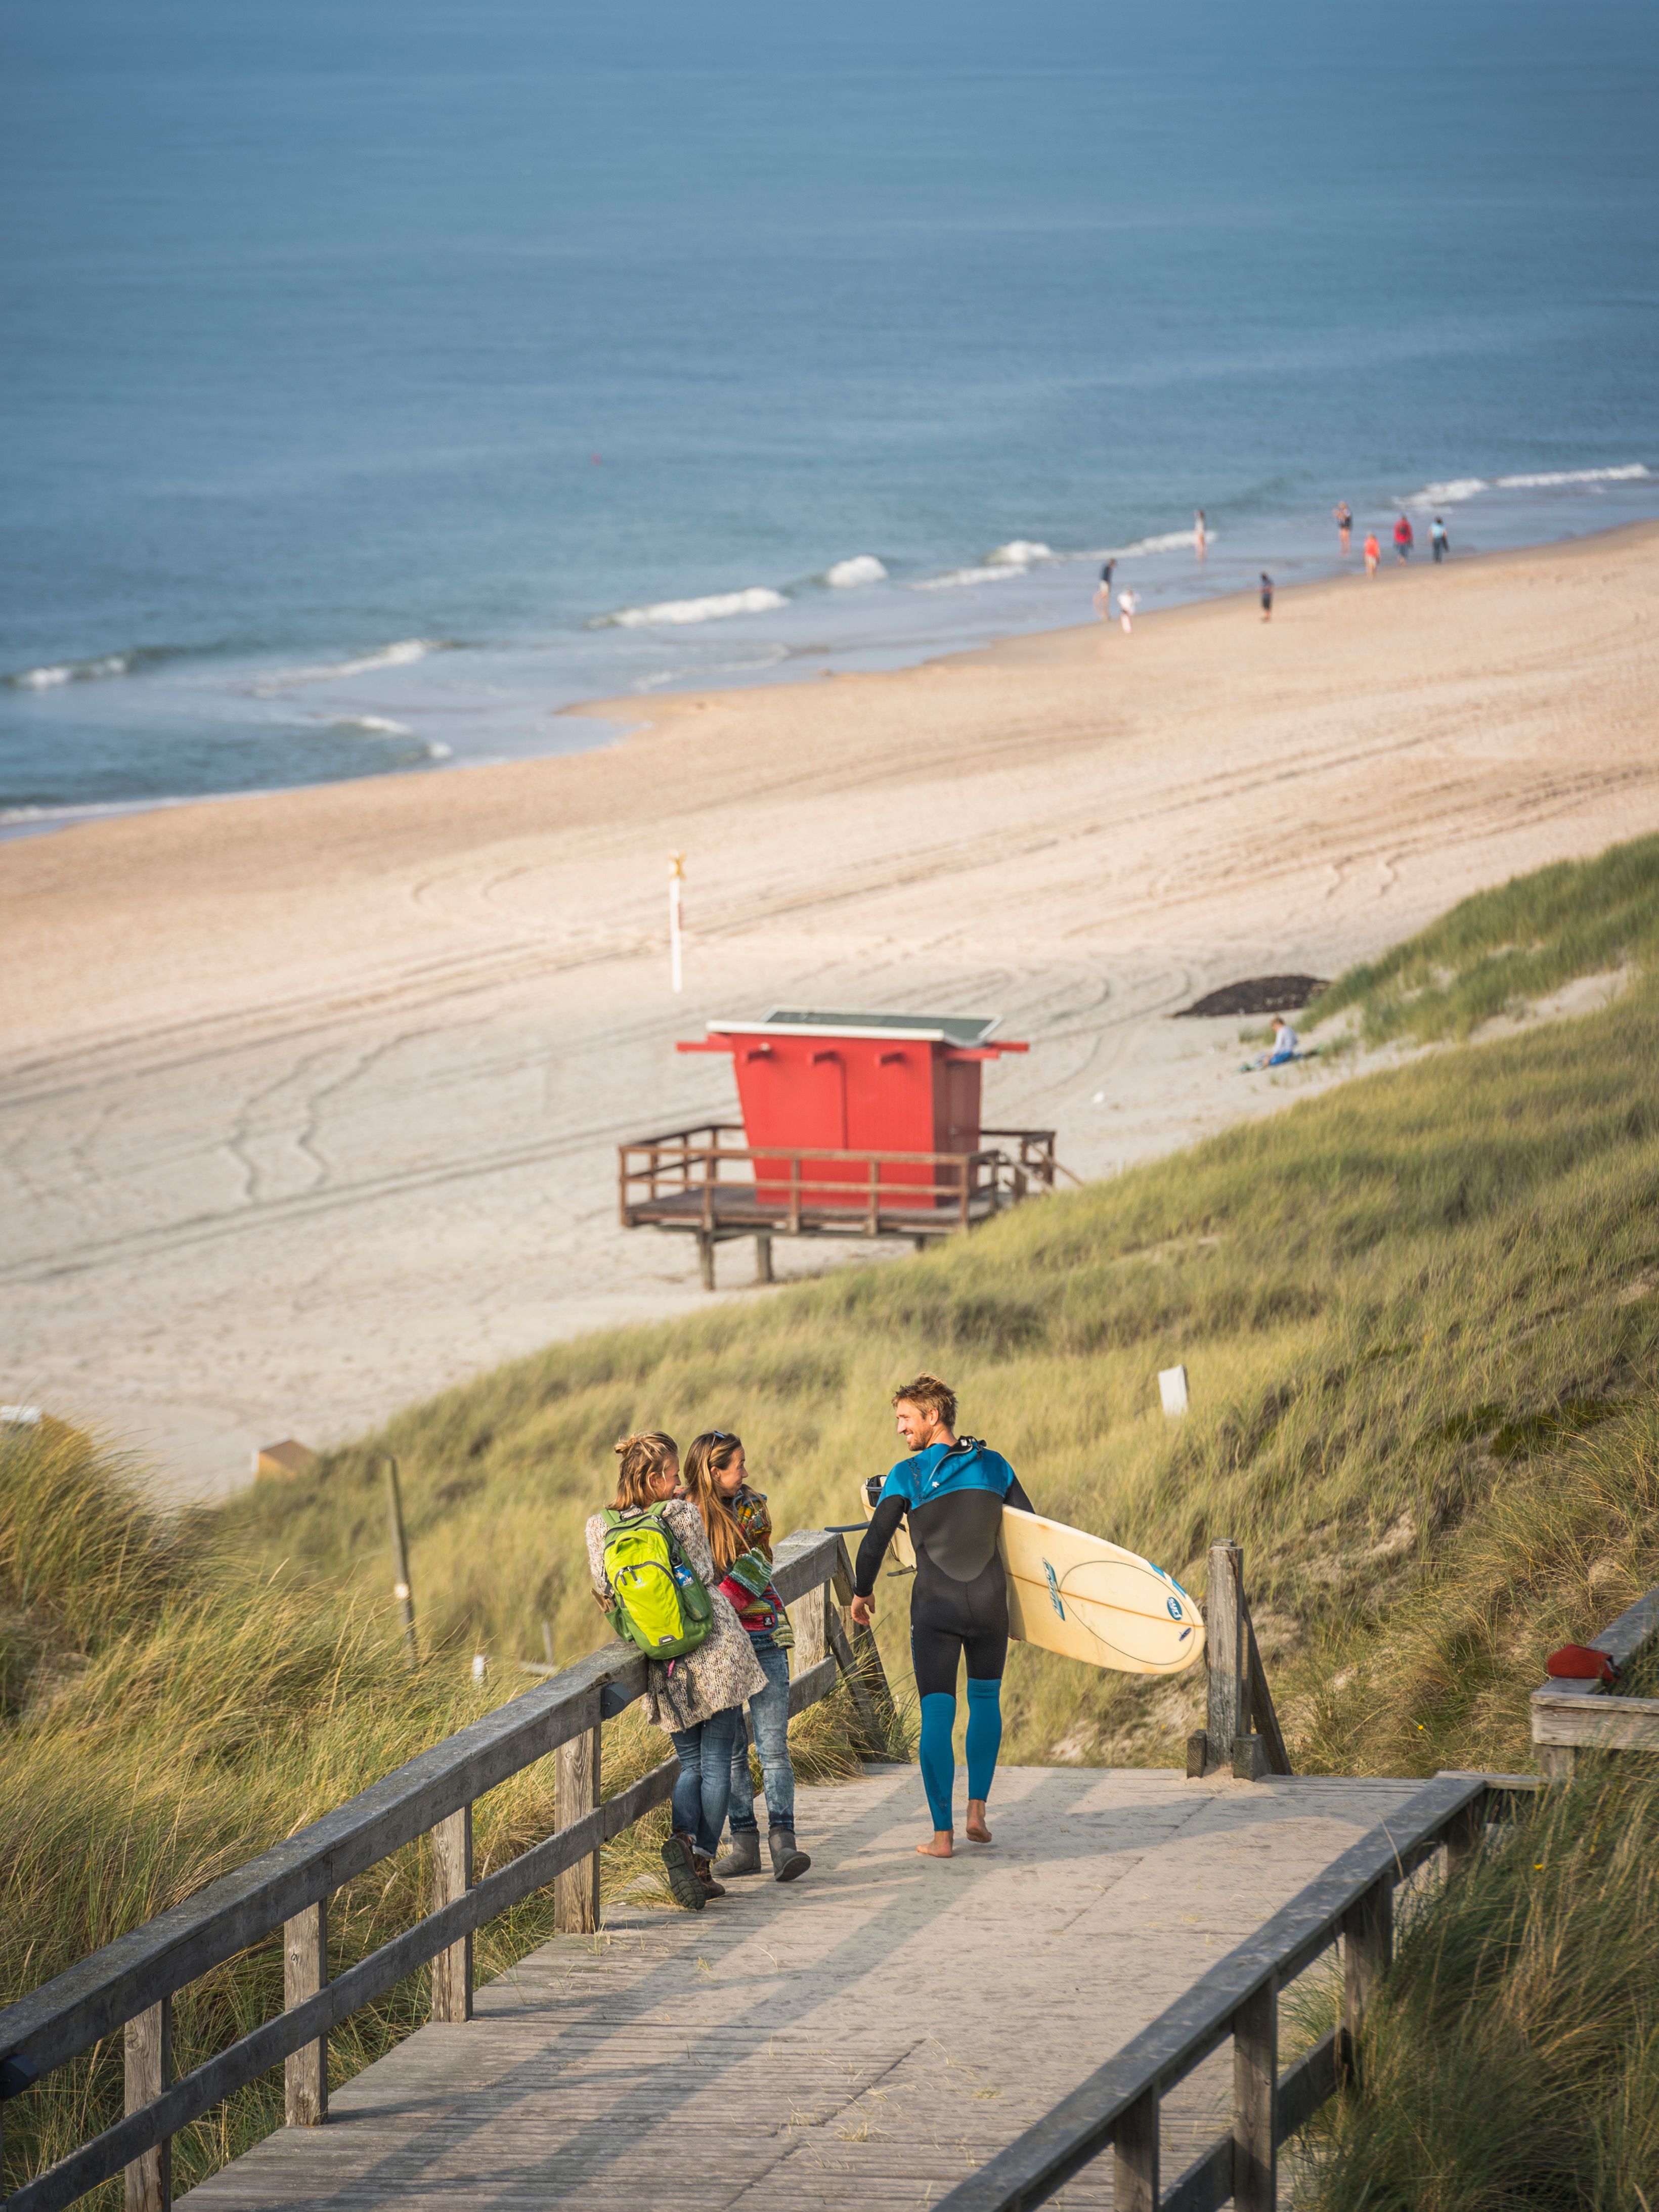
<point x="1081" y="2125"/>
<point x="100" y="1993"/>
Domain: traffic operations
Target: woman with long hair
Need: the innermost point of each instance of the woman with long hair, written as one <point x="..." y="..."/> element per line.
<point x="739" y="1529"/>
<point x="696" y="1699"/>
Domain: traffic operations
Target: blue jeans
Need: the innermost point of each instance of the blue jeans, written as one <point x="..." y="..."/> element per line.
<point x="704" y="1781"/>
<point x="770" y="1709"/>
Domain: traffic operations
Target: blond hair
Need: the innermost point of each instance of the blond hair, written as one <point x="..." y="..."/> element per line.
<point x="649" y="1454"/>
<point x="709" y="1454"/>
<point x="932" y="1396"/>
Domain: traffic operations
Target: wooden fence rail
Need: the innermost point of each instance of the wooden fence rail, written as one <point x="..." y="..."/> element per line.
<point x="1118" y="2107"/>
<point x="130" y="1984"/>
<point x="1568" y="1718"/>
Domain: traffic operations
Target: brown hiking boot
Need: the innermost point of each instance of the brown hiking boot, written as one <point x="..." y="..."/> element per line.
<point x="680" y="1866"/>
<point x="705" y="1874"/>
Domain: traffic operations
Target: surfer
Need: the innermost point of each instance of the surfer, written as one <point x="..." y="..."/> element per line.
<point x="952" y="1490"/>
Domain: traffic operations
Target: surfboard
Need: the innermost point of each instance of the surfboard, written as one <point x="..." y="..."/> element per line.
<point x="1084" y="1598"/>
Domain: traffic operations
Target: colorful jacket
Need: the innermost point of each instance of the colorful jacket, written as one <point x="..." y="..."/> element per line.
<point x="761" y="1616"/>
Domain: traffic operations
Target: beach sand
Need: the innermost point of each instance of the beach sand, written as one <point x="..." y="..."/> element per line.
<point x="310" y="1101"/>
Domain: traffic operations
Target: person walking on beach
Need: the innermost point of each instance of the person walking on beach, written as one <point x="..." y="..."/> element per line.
<point x="1373" y="552"/>
<point x="1439" y="544"/>
<point x="951" y="1491"/>
<point x="1403" y="541"/>
<point x="1127" y="604"/>
<point x="740" y="1532"/>
<point x="1201" y="536"/>
<point x="1344" y="515"/>
<point x="1103" y="591"/>
<point x="654" y="1578"/>
<point x="1267" y="597"/>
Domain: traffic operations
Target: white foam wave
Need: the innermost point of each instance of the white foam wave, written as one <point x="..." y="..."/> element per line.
<point x="376" y="726"/>
<point x="1019" y="553"/>
<point x="1171" y="541"/>
<point x="1458" y="489"/>
<point x="1003" y="561"/>
<point x="862" y="568"/>
<point x="437" y="750"/>
<point x="69" y="671"/>
<point x="404" y="653"/>
<point x="718" y="606"/>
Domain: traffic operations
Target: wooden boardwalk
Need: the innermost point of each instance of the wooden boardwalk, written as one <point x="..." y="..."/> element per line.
<point x="866" y="2036"/>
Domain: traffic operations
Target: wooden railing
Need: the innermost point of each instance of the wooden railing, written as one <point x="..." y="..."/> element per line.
<point x="1568" y="1718"/>
<point x="795" y="1182"/>
<point x="1118" y="2107"/>
<point x="130" y="1984"/>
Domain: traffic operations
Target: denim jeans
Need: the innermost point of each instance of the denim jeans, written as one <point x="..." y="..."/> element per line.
<point x="770" y="1709"/>
<point x="704" y="1781"/>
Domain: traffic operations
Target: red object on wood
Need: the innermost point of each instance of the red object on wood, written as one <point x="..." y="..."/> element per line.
<point x="1580" y="1662"/>
<point x="864" y="1082"/>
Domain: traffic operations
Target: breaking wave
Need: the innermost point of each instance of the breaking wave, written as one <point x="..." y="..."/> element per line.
<point x="720" y="606"/>
<point x="862" y="568"/>
<point x="94" y="669"/>
<point x="1458" y="489"/>
<point x="402" y="654"/>
<point x="1003" y="561"/>
<point x="375" y="725"/>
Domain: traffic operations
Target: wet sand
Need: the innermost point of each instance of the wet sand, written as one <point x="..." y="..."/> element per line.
<point x="310" y="1101"/>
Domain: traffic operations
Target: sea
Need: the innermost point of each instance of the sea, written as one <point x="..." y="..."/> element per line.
<point x="380" y="378"/>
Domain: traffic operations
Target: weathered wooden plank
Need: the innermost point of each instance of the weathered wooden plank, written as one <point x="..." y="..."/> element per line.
<point x="1304" y="2087"/>
<point x="305" y="1970"/>
<point x="451" y="1878"/>
<point x="1255" y="2100"/>
<point x="1060" y="2144"/>
<point x="1621" y="1639"/>
<point x="817" y="1682"/>
<point x="576" y="1793"/>
<point x="1135" y="2149"/>
<point x="1594" y="1723"/>
<point x="1207" y="2183"/>
<point x="147" y="2051"/>
<point x="1224" y="1653"/>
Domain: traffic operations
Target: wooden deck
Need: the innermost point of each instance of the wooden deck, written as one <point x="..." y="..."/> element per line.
<point x="866" y="2036"/>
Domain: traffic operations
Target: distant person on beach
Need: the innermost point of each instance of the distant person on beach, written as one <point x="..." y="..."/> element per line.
<point x="1284" y="1047"/>
<point x="950" y="1493"/>
<point x="1439" y="544"/>
<point x="1373" y="552"/>
<point x="1201" y="537"/>
<point x="1127" y="604"/>
<point x="1103" y="591"/>
<point x="1267" y="597"/>
<point x="1344" y="515"/>
<point x="1403" y="541"/>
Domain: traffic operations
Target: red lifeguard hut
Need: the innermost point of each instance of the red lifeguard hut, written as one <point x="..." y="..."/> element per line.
<point x="853" y="1124"/>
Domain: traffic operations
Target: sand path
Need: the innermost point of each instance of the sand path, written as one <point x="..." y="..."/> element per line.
<point x="309" y="1102"/>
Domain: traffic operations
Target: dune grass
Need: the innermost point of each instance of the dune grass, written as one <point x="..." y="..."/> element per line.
<point x="1511" y="2055"/>
<point x="1495" y="951"/>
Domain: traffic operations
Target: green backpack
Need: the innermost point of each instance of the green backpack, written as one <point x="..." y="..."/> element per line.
<point x="660" y="1605"/>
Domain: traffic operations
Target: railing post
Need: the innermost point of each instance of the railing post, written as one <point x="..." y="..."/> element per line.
<point x="1367" y="1947"/>
<point x="795" y="1195"/>
<point x="149" y="2054"/>
<point x="875" y="1197"/>
<point x="1255" y="2100"/>
<point x="451" y="1877"/>
<point x="1134" y="2144"/>
<point x="305" y="1970"/>
<point x="1224" y="1655"/>
<point x="576" y="1792"/>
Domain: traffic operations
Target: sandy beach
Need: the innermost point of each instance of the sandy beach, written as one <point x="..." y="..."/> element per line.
<point x="310" y="1101"/>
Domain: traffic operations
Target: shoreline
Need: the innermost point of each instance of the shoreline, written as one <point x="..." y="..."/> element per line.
<point x="312" y="1105"/>
<point x="620" y="714"/>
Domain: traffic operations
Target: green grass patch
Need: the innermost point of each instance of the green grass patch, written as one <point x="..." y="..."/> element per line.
<point x="1494" y="952"/>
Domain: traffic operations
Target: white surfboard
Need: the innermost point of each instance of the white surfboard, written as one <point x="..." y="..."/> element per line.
<point x="1077" y="1595"/>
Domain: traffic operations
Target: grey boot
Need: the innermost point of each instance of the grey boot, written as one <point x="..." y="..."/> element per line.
<point x="788" y="1860"/>
<point x="743" y="1857"/>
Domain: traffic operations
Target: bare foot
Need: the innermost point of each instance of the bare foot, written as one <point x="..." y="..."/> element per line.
<point x="977" y="1831"/>
<point x="940" y="1846"/>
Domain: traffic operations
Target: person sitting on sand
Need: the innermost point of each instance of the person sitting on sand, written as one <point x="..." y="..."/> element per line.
<point x="951" y="1491"/>
<point x="1284" y="1047"/>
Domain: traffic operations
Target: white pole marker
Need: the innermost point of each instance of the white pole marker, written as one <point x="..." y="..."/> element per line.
<point x="1172" y="1388"/>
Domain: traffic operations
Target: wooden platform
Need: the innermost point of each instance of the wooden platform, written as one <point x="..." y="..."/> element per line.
<point x="864" y="2036"/>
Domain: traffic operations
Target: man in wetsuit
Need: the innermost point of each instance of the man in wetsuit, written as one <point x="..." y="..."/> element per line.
<point x="952" y="1493"/>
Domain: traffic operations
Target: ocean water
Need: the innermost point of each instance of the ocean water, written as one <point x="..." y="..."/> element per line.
<point x="379" y="377"/>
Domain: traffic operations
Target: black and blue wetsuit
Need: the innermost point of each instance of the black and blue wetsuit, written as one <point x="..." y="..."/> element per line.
<point x="953" y="1496"/>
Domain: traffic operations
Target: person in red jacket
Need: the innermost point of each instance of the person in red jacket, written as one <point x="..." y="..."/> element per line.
<point x="1403" y="540"/>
